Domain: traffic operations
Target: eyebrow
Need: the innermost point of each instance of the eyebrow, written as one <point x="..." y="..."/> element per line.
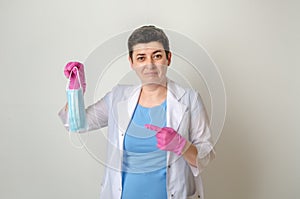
<point x="157" y="51"/>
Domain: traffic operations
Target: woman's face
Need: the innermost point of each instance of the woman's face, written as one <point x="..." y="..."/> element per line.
<point x="150" y="62"/>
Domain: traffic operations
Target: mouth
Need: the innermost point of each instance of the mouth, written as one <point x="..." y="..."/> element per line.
<point x="151" y="73"/>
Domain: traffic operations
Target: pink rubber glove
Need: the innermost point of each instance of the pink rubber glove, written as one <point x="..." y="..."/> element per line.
<point x="168" y="139"/>
<point x="74" y="81"/>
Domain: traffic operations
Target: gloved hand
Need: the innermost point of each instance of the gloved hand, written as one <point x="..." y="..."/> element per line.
<point x="168" y="139"/>
<point x="74" y="81"/>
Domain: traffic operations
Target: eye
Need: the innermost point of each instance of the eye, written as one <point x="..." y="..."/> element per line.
<point x="157" y="56"/>
<point x="140" y="58"/>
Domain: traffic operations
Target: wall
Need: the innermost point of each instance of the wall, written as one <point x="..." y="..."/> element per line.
<point x="254" y="44"/>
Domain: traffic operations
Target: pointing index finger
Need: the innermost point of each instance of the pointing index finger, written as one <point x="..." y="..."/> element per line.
<point x="152" y="127"/>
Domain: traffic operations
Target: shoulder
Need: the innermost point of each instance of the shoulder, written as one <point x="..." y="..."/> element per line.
<point x="123" y="88"/>
<point x="181" y="92"/>
<point x="188" y="96"/>
<point x="124" y="91"/>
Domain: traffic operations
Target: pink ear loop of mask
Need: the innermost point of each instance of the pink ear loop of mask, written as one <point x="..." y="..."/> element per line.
<point x="83" y="143"/>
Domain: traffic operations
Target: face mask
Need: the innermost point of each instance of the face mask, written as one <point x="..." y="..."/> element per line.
<point x="76" y="110"/>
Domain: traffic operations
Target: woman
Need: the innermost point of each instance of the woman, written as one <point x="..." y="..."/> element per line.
<point x="158" y="135"/>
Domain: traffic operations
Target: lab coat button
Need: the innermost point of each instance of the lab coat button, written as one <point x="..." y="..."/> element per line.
<point x="172" y="195"/>
<point x="199" y="196"/>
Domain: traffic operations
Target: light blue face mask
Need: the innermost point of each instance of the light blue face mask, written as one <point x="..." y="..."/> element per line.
<point x="76" y="109"/>
<point x="76" y="112"/>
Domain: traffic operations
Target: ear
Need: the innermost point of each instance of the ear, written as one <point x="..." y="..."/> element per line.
<point x="169" y="58"/>
<point x="130" y="61"/>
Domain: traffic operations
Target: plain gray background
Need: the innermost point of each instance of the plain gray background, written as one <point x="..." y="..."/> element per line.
<point x="254" y="43"/>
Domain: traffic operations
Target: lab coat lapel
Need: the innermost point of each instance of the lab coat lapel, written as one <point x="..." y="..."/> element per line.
<point x="175" y="109"/>
<point x="125" y="111"/>
<point x="175" y="112"/>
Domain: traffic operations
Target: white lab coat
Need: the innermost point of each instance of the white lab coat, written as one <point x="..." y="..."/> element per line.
<point x="185" y="113"/>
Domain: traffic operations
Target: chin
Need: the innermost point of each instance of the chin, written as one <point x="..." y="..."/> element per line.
<point x="154" y="81"/>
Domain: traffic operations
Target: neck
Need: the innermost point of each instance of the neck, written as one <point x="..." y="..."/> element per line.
<point x="153" y="94"/>
<point x="155" y="86"/>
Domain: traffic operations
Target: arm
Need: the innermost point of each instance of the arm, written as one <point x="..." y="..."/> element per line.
<point x="190" y="154"/>
<point x="96" y="114"/>
<point x="200" y="137"/>
<point x="197" y="150"/>
<point x="168" y="139"/>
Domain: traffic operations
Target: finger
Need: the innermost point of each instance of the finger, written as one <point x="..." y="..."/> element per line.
<point x="161" y="147"/>
<point x="159" y="136"/>
<point x="67" y="73"/>
<point x="70" y="65"/>
<point x="152" y="127"/>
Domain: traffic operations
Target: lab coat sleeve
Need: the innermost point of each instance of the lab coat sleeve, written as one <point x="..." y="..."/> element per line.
<point x="200" y="136"/>
<point x="96" y="114"/>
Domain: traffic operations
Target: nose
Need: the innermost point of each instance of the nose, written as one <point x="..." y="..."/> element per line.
<point x="150" y="66"/>
<point x="149" y="60"/>
<point x="150" y="63"/>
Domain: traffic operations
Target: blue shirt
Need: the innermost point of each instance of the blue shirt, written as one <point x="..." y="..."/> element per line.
<point x="144" y="165"/>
